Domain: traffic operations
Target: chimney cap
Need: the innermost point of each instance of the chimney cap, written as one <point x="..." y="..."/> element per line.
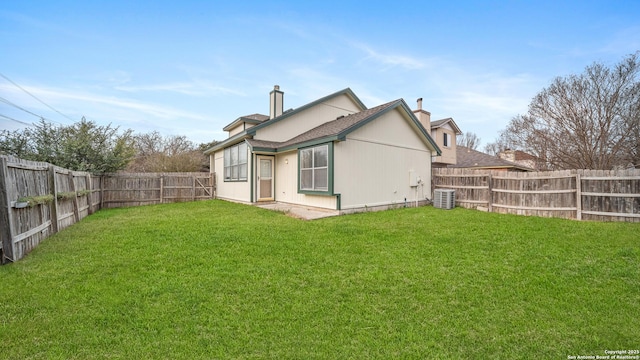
<point x="276" y="87"/>
<point x="419" y="103"/>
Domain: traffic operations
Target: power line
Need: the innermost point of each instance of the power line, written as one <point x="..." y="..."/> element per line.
<point x="21" y="108"/>
<point x="35" y="97"/>
<point x="18" y="121"/>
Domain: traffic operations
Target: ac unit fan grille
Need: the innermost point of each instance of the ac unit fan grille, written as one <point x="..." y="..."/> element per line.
<point x="444" y="199"/>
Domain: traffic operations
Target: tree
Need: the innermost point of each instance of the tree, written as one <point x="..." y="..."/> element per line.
<point x="83" y="146"/>
<point x="156" y="153"/>
<point x="469" y="139"/>
<point x="585" y="121"/>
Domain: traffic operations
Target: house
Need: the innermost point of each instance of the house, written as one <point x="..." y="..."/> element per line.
<point x="444" y="133"/>
<point x="332" y="153"/>
<point x="522" y="158"/>
<point x="476" y="160"/>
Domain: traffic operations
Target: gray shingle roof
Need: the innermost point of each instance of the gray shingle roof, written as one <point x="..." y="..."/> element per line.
<point x="251" y="119"/>
<point x="469" y="158"/>
<point x="258" y="117"/>
<point x="328" y="129"/>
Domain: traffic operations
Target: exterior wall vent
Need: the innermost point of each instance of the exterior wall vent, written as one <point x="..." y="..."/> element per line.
<point x="444" y="199"/>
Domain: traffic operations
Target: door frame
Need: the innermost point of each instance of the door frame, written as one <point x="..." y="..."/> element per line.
<point x="272" y="160"/>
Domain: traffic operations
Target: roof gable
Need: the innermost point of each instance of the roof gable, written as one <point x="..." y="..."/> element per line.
<point x="249" y="119"/>
<point x="290" y="113"/>
<point x="339" y="128"/>
<point x="448" y="121"/>
<point x="333" y="130"/>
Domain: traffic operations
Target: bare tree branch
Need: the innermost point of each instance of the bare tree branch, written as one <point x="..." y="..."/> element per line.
<point x="589" y="121"/>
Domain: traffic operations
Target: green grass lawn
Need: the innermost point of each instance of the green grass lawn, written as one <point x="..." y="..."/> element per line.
<point x="220" y="280"/>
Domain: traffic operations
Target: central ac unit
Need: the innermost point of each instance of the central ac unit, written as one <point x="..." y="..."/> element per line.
<point x="444" y="198"/>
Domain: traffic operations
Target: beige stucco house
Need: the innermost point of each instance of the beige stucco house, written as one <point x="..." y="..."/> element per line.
<point x="443" y="132"/>
<point x="332" y="153"/>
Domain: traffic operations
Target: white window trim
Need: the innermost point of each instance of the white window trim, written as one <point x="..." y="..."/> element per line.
<point x="314" y="168"/>
<point x="239" y="163"/>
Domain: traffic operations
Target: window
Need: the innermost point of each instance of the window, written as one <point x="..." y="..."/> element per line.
<point x="314" y="168"/>
<point x="235" y="162"/>
<point x="447" y="140"/>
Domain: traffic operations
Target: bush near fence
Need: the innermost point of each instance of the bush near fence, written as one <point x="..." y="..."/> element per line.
<point x="600" y="195"/>
<point x="38" y="199"/>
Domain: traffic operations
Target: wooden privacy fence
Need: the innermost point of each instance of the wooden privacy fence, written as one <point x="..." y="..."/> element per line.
<point x="571" y="194"/>
<point x="135" y="189"/>
<point x="38" y="199"/>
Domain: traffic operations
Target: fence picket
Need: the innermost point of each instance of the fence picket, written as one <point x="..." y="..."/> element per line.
<point x="37" y="180"/>
<point x="573" y="194"/>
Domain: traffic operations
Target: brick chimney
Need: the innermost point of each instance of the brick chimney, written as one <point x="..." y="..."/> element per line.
<point x="276" y="102"/>
<point x="423" y="116"/>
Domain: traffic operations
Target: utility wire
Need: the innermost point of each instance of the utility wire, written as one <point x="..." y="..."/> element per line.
<point x="18" y="121"/>
<point x="35" y="97"/>
<point x="21" y="108"/>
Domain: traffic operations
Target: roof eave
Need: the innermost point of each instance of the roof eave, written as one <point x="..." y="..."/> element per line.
<point x="252" y="131"/>
<point x="456" y="129"/>
<point x="313" y="142"/>
<point x="240" y="120"/>
<point x="230" y="141"/>
<point x="488" y="167"/>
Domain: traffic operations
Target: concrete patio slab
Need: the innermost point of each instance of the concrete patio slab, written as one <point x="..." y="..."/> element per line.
<point x="300" y="212"/>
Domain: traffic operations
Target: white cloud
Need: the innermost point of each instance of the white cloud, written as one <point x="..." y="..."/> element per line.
<point x="391" y="60"/>
<point x="83" y="102"/>
<point x="143" y="107"/>
<point x="185" y="88"/>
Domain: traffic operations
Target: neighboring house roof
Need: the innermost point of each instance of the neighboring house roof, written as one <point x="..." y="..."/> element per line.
<point x="521" y="155"/>
<point x="473" y="159"/>
<point x="337" y="129"/>
<point x="440" y="123"/>
<point x="252" y="131"/>
<point x="250" y="119"/>
<point x="522" y="158"/>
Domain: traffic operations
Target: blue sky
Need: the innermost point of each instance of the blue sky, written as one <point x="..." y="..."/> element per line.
<point x="191" y="67"/>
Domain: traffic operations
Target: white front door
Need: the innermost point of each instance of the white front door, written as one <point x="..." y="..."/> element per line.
<point x="265" y="178"/>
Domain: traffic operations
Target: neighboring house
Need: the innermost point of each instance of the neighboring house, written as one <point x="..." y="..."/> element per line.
<point x="522" y="158"/>
<point x="476" y="160"/>
<point x="332" y="153"/>
<point x="444" y="133"/>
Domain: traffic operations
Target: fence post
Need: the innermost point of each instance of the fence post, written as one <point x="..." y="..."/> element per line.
<point x="89" y="192"/>
<point x="213" y="185"/>
<point x="161" y="189"/>
<point x="578" y="197"/>
<point x="490" y="185"/>
<point x="54" y="204"/>
<point x="6" y="238"/>
<point x="102" y="182"/>
<point x="72" y="186"/>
